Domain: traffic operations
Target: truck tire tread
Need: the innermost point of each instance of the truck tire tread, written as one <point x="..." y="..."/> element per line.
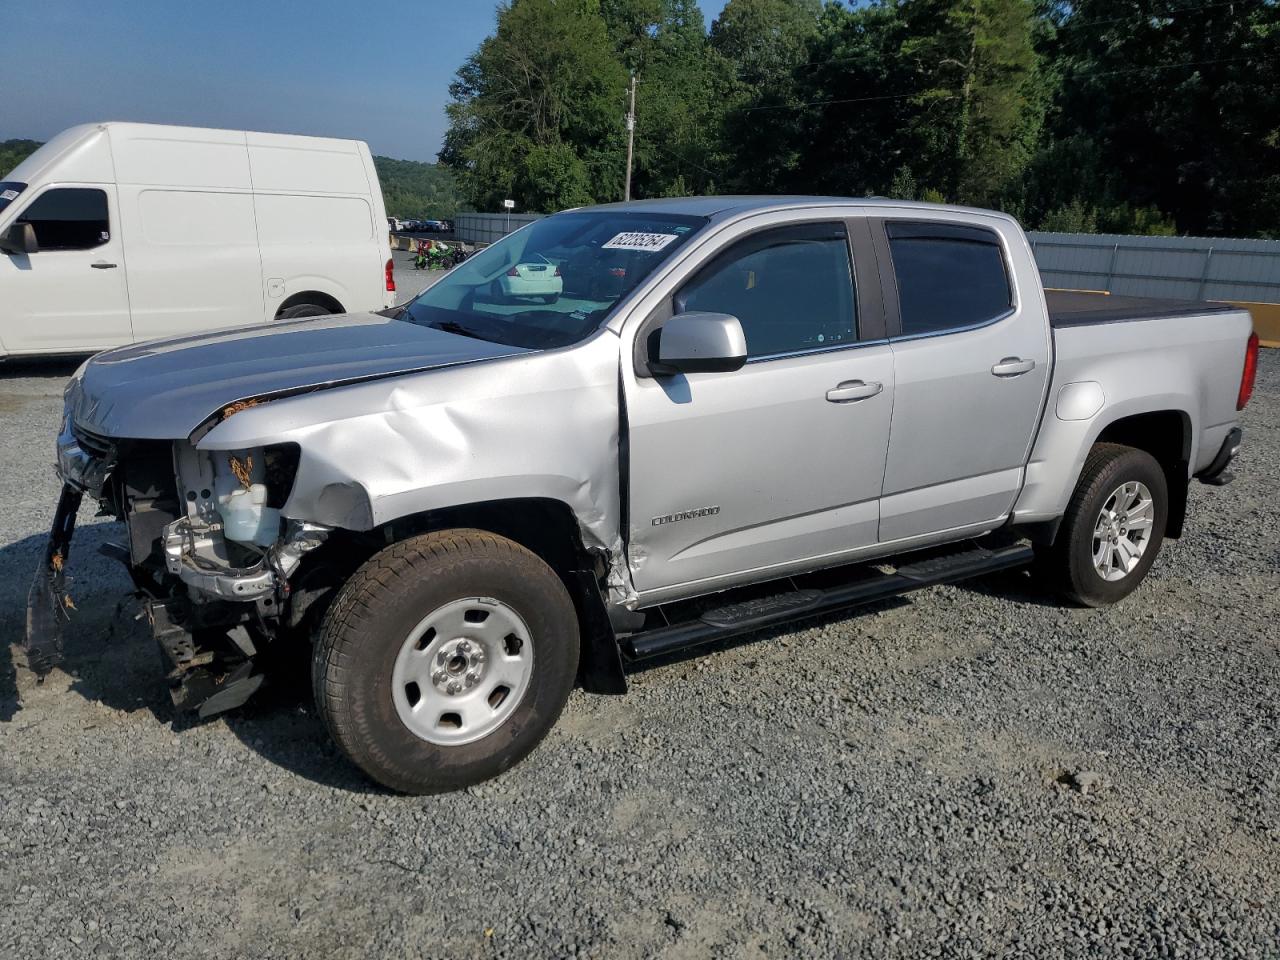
<point x="351" y="629"/>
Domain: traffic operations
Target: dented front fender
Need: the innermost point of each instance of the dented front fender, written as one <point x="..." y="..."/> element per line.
<point x="536" y="425"/>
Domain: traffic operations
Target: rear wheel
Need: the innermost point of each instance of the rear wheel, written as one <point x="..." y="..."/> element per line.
<point x="1113" y="527"/>
<point x="445" y="660"/>
<point x="299" y="310"/>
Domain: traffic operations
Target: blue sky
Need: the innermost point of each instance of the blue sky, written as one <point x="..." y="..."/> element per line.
<point x="372" y="71"/>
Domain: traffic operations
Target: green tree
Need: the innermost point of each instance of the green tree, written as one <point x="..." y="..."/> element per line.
<point x="13" y="152"/>
<point x="536" y="111"/>
<point x="418" y="190"/>
<point x="1178" y="106"/>
<point x="979" y="95"/>
<point x="683" y="88"/>
<point x="766" y="42"/>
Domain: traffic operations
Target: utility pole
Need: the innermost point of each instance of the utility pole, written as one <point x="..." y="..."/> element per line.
<point x="631" y="134"/>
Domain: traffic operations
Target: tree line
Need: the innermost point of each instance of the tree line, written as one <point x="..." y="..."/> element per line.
<point x="1130" y="116"/>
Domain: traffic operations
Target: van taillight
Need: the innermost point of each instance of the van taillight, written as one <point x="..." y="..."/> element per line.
<point x="391" y="276"/>
<point x="513" y="272"/>
<point x="1250" y="372"/>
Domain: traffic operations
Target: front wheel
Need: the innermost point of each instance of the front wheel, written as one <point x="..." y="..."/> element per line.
<point x="1113" y="527"/>
<point x="445" y="660"/>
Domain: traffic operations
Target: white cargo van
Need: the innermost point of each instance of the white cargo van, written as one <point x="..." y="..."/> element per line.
<point x="113" y="233"/>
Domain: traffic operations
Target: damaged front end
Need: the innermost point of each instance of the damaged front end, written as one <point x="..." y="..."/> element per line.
<point x="209" y="553"/>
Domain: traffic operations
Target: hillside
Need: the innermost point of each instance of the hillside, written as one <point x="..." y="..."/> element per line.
<point x="409" y="188"/>
<point x="424" y="191"/>
<point x="13" y="152"/>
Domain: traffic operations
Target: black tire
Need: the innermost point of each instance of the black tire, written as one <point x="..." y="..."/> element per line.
<point x="376" y="612"/>
<point x="1068" y="565"/>
<point x="550" y="298"/>
<point x="299" y="310"/>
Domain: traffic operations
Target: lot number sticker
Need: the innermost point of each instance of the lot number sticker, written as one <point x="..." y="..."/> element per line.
<point x="639" y="241"/>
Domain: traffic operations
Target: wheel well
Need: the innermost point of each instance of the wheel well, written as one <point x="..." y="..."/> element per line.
<point x="1166" y="435"/>
<point x="311" y="296"/>
<point x="549" y="529"/>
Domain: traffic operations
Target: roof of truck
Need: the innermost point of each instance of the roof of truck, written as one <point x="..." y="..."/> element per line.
<point x="722" y="206"/>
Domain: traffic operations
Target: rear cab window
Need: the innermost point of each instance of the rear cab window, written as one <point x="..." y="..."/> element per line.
<point x="69" y="218"/>
<point x="950" y="276"/>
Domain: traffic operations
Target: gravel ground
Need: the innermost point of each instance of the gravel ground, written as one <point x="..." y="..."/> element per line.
<point x="976" y="772"/>
<point x="410" y="282"/>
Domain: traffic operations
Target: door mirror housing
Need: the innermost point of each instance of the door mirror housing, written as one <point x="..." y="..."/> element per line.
<point x="19" y="238"/>
<point x="697" y="342"/>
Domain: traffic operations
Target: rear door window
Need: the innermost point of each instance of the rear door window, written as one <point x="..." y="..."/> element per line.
<point x="791" y="288"/>
<point x="950" y="276"/>
<point x="69" y="218"/>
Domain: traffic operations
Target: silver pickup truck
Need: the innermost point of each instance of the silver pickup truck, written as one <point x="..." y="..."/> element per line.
<point x="620" y="432"/>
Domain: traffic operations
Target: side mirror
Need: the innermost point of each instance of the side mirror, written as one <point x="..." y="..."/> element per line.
<point x="697" y="342"/>
<point x="19" y="238"/>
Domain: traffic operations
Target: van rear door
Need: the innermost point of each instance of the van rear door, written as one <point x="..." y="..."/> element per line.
<point x="70" y="296"/>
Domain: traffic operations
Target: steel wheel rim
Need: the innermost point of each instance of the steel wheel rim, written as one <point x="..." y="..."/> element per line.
<point x="1122" y="531"/>
<point x="462" y="671"/>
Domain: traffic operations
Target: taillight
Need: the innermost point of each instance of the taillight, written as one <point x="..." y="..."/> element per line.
<point x="513" y="272"/>
<point x="1250" y="372"/>
<point x="557" y="273"/>
<point x="391" y="276"/>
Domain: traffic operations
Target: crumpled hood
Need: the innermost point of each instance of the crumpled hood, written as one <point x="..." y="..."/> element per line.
<point x="164" y="389"/>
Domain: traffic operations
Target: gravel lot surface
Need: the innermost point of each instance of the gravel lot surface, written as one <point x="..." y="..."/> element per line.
<point x="976" y="772"/>
<point x="410" y="282"/>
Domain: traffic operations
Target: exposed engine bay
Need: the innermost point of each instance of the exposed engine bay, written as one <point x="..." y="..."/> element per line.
<point x="208" y="551"/>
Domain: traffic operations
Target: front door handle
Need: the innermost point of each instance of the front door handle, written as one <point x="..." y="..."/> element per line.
<point x="850" y="391"/>
<point x="1013" y="367"/>
<point x="103" y="265"/>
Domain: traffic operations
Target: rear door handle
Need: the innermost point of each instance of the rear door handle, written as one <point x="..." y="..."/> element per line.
<point x="850" y="391"/>
<point x="1013" y="367"/>
<point x="103" y="265"/>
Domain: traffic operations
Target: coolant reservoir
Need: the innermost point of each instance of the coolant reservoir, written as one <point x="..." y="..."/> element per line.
<point x="241" y="495"/>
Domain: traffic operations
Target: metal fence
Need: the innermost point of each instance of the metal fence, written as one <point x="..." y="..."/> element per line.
<point x="1197" y="268"/>
<point x="488" y="227"/>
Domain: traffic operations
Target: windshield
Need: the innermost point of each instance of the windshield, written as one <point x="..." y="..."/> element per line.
<point x="551" y="283"/>
<point x="9" y="191"/>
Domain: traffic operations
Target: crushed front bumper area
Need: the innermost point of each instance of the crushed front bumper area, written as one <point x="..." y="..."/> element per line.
<point x="48" y="603"/>
<point x="208" y="622"/>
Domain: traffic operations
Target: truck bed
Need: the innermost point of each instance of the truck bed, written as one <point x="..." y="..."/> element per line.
<point x="1074" y="308"/>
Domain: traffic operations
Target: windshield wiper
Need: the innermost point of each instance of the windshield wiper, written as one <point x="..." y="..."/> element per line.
<point x="452" y="326"/>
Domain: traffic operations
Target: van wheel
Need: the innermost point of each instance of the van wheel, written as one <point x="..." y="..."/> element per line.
<point x="445" y="660"/>
<point x="299" y="310"/>
<point x="1113" y="527"/>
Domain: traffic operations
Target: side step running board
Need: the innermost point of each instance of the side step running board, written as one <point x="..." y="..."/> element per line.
<point x="736" y="618"/>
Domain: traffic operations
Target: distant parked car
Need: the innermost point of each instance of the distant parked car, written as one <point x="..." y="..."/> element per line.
<point x="533" y="279"/>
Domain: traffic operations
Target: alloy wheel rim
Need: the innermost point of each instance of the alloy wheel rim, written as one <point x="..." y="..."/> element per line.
<point x="462" y="671"/>
<point x="1122" y="531"/>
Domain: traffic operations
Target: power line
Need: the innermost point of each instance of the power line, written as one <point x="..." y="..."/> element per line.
<point x="1156" y="67"/>
<point x="1068" y="22"/>
<point x="906" y="96"/>
<point x="824" y="103"/>
<point x="1141" y="15"/>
